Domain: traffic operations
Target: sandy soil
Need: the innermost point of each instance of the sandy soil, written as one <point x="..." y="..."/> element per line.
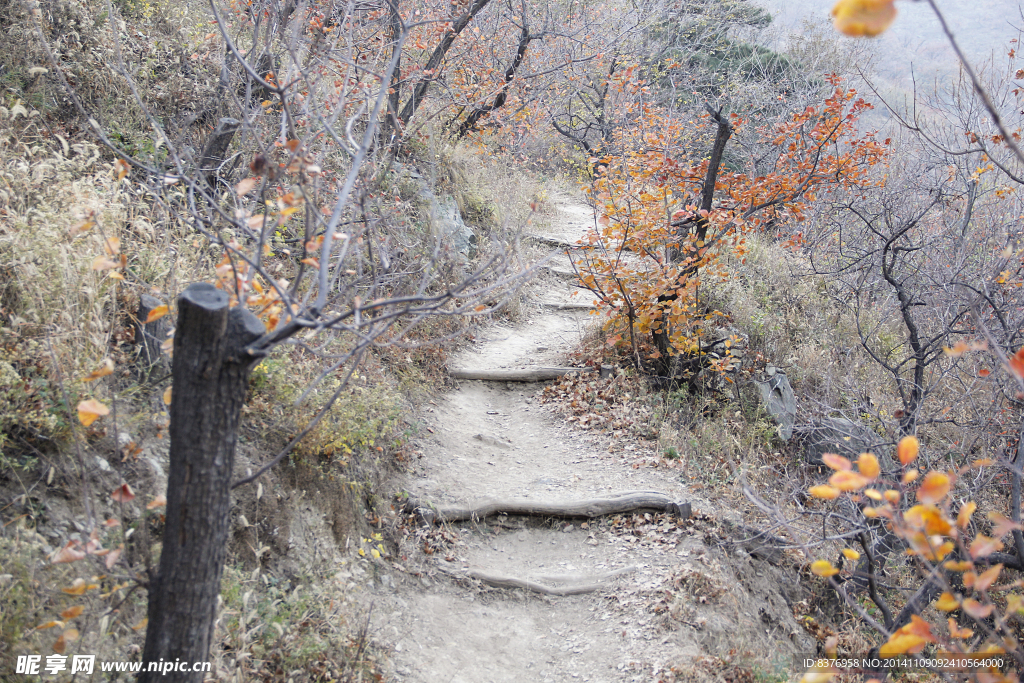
<point x="689" y="595"/>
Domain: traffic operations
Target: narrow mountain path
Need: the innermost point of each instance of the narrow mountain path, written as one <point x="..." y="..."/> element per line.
<point x="645" y="601"/>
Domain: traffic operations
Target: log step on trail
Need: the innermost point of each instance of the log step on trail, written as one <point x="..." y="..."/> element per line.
<point x="515" y="374"/>
<point x="629" y="501"/>
<point x="557" y="585"/>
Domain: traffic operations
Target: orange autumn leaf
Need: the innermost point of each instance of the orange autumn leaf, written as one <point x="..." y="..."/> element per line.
<point x="836" y="462"/>
<point x="957" y="632"/>
<point x="167" y="396"/>
<point x="245" y="186"/>
<point x="49" y="625"/>
<point x="860" y="18"/>
<point x="848" y="481"/>
<point x="959" y="349"/>
<point x="907" y="449"/>
<point x="72" y="612"/>
<point x="1017" y="362"/>
<point x="121" y="168"/>
<point x="987" y="577"/>
<point x="157" y="313"/>
<point x="983" y="546"/>
<point x="868" y="465"/>
<point x="103" y="263"/>
<point x="91" y="410"/>
<point x="157" y="502"/>
<point x="112" y="557"/>
<point x="911" y="638"/>
<point x="71" y="552"/>
<point x="963" y="518"/>
<point x="934" y="488"/>
<point x="976" y="609"/>
<point x="851" y="554"/>
<point x="927" y="518"/>
<point x="123" y="494"/>
<point x="106" y="367"/>
<point x="1001" y="524"/>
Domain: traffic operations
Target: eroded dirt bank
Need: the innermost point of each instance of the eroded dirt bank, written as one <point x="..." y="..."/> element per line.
<point x="677" y="599"/>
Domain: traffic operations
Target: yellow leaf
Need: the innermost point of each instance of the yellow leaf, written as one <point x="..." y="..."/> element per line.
<point x="823" y="491"/>
<point x="49" y="624"/>
<point x="106" y="367"/>
<point x="817" y="677"/>
<point x="167" y="396"/>
<point x="157" y="313"/>
<point x="823" y="568"/>
<point x="859" y="18"/>
<point x="141" y="625"/>
<point x="112" y="246"/>
<point x="947" y="602"/>
<point x="851" y="554"/>
<point x="70" y="635"/>
<point x="90" y="411"/>
<point x="958" y="565"/>
<point x="901" y="644"/>
<point x="867" y="463"/>
<point x="873" y="494"/>
<point x="910" y="476"/>
<point x="907" y="449"/>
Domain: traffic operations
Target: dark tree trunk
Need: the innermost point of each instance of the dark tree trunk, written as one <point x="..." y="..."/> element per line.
<point x="499" y="101"/>
<point x="210" y="370"/>
<point x="661" y="336"/>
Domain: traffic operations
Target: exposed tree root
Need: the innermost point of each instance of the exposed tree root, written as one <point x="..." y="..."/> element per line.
<point x="629" y="501"/>
<point x="515" y="375"/>
<point x="572" y="584"/>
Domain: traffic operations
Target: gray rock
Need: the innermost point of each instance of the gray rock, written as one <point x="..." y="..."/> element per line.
<point x="448" y="223"/>
<point x="779" y="402"/>
<point x="842" y="436"/>
<point x="445" y="217"/>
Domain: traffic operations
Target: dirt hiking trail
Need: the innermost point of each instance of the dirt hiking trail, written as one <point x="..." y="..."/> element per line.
<point x="659" y="597"/>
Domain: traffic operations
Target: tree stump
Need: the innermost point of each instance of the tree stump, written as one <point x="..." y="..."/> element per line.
<point x="210" y="371"/>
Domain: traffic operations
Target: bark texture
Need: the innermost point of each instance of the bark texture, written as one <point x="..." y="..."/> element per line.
<point x="210" y="371"/>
